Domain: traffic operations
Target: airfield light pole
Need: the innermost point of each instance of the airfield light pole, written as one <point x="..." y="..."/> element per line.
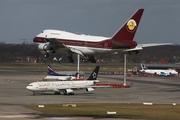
<point x="25" y="41"/>
<point x="124" y="69"/>
<point x="78" y="60"/>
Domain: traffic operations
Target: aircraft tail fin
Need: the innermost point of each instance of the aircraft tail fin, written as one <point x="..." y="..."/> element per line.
<point x="51" y="71"/>
<point x="126" y="33"/>
<point x="143" y="67"/>
<point x="94" y="74"/>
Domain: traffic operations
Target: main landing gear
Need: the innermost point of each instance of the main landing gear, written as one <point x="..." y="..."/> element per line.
<point x="57" y="93"/>
<point x="69" y="93"/>
<point x="46" y="55"/>
<point x="65" y="93"/>
<point x="86" y="59"/>
<point x="71" y="60"/>
<point x="89" y="58"/>
<point x="70" y="57"/>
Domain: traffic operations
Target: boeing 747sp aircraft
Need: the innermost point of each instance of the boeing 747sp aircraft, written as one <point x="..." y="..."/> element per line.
<point x="67" y="87"/>
<point x="50" y="41"/>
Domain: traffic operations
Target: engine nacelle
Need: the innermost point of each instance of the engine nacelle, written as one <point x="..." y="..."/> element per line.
<point x="89" y="89"/>
<point x="55" y="90"/>
<point x="67" y="91"/>
<point x="46" y="48"/>
<point x="43" y="46"/>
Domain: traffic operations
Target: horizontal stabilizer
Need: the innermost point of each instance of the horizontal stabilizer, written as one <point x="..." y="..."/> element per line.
<point x="141" y="46"/>
<point x="153" y="44"/>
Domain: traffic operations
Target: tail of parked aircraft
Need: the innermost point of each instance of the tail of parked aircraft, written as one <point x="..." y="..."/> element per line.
<point x="94" y="74"/>
<point x="143" y="67"/>
<point x="51" y="71"/>
<point x="125" y="35"/>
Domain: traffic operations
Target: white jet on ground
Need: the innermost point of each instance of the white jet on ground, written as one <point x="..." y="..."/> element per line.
<point x="159" y="72"/>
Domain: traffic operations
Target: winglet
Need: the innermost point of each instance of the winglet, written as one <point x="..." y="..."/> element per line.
<point x="127" y="32"/>
<point x="94" y="74"/>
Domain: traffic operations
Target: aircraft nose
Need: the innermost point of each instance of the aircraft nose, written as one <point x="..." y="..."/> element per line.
<point x="35" y="39"/>
<point x="29" y="87"/>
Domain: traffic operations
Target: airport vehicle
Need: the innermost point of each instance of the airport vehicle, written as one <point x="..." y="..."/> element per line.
<point x="67" y="87"/>
<point x="64" y="73"/>
<point x="159" y="72"/>
<point x="63" y="78"/>
<point x="50" y="41"/>
<point x="162" y="74"/>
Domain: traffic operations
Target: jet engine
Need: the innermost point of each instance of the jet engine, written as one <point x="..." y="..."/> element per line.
<point x="89" y="89"/>
<point x="67" y="91"/>
<point x="46" y="49"/>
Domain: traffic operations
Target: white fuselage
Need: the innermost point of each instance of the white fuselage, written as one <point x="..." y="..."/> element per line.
<point x="69" y="73"/>
<point x="87" y="44"/>
<point x="58" y="85"/>
<point x="60" y="78"/>
<point x="159" y="72"/>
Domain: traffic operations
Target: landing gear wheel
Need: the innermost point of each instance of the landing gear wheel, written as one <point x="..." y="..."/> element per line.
<point x="92" y="59"/>
<point x="57" y="93"/>
<point x="53" y="51"/>
<point x="71" y="93"/>
<point x="71" y="60"/>
<point x="46" y="55"/>
<point x="68" y="93"/>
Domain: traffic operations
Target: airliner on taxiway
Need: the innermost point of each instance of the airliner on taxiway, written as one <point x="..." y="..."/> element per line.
<point x="160" y="72"/>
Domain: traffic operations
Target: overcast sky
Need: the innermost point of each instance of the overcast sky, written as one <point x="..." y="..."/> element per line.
<point x="24" y="19"/>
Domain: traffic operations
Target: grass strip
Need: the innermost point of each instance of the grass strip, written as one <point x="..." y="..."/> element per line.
<point x="130" y="111"/>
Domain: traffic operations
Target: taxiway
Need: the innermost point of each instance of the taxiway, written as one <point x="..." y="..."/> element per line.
<point x="13" y="92"/>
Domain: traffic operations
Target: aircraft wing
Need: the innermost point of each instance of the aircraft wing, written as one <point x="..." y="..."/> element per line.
<point x="58" y="45"/>
<point x="55" y="43"/>
<point x="83" y="87"/>
<point x="75" y="50"/>
<point x="141" y="46"/>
